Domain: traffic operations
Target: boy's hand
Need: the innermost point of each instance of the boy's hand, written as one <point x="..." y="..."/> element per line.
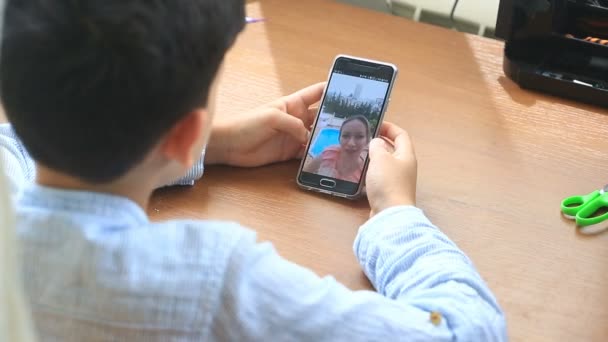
<point x="275" y="132"/>
<point x="392" y="172"/>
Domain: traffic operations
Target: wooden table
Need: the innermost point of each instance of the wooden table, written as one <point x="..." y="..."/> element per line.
<point x="494" y="163"/>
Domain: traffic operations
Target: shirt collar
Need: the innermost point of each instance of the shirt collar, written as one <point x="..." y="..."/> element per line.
<point x="114" y="207"/>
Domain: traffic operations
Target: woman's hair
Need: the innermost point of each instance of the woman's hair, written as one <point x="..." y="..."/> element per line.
<point x="361" y="118"/>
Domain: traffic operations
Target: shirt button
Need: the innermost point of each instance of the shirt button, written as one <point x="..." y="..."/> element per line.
<point x="436" y="318"/>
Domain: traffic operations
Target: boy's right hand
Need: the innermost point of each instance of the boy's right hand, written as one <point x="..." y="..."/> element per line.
<point x="392" y="173"/>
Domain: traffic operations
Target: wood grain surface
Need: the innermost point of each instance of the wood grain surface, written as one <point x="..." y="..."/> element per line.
<point x="495" y="162"/>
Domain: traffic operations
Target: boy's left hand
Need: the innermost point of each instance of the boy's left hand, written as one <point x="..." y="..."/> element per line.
<point x="272" y="133"/>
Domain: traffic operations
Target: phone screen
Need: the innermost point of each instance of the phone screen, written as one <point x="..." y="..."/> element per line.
<point x="349" y="116"/>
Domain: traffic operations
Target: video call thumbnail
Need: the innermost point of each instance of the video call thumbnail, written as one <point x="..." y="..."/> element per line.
<point x="349" y="116"/>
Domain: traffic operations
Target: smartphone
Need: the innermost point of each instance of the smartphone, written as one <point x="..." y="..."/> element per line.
<point x="351" y="112"/>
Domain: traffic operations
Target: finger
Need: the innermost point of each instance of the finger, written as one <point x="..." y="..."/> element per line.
<point x="309" y="95"/>
<point x="403" y="146"/>
<point x="390" y="146"/>
<point x="297" y="104"/>
<point x="390" y="131"/>
<point x="310" y="118"/>
<point x="301" y="152"/>
<point x="377" y="147"/>
<point x="290" y="125"/>
<point x="400" y="138"/>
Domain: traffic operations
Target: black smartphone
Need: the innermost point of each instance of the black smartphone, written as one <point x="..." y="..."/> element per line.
<point x="351" y="112"/>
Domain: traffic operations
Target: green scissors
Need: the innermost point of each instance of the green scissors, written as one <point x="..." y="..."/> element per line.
<point x="588" y="211"/>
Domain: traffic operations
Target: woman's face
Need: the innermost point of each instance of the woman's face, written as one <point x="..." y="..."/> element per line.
<point x="354" y="137"/>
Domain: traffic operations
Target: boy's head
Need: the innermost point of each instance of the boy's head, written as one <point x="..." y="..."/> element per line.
<point x="92" y="86"/>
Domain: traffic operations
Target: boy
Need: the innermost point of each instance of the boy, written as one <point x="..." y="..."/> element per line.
<point x="114" y="98"/>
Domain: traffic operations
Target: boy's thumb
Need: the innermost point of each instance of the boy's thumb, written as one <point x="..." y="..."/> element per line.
<point x="377" y="147"/>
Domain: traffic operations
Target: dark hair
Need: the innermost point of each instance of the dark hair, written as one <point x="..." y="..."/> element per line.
<point x="91" y="86"/>
<point x="361" y="118"/>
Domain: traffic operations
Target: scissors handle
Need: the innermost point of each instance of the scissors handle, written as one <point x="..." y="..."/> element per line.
<point x="585" y="216"/>
<point x="572" y="205"/>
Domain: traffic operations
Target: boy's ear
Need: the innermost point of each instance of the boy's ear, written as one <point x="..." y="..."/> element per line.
<point x="184" y="137"/>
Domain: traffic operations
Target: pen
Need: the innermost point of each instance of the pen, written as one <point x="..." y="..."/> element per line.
<point x="250" y="20"/>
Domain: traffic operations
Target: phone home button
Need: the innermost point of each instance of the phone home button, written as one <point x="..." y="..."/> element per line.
<point x="328" y="183"/>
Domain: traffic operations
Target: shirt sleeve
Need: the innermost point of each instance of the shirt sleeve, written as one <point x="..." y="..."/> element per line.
<point x="194" y="174"/>
<point x="21" y="169"/>
<point x="427" y="290"/>
<point x="16" y="162"/>
<point x="406" y="257"/>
